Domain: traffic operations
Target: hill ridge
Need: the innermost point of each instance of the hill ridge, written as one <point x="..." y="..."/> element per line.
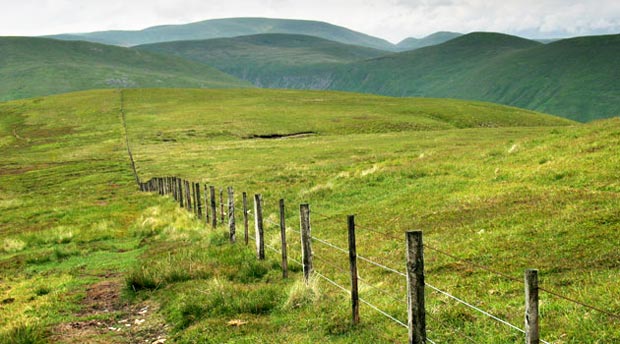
<point x="35" y="66"/>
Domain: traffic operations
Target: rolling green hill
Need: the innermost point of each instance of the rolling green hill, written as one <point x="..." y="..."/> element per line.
<point x="574" y="78"/>
<point x="39" y="66"/>
<point x="83" y="253"/>
<point x="271" y="60"/>
<point x="412" y="43"/>
<point x="232" y="27"/>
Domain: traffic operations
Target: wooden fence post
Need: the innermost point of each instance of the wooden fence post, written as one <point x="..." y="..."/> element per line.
<point x="258" y="226"/>
<point x="306" y="238"/>
<point x="283" y="238"/>
<point x="355" y="302"/>
<point x="206" y="204"/>
<point x="194" y="205"/>
<point x="231" y="215"/>
<point x="174" y="188"/>
<point x="245" y="218"/>
<point x="198" y="201"/>
<point x="189" y="196"/>
<point x="180" y="191"/>
<point x="222" y="213"/>
<point x="213" y="208"/>
<point x="415" y="288"/>
<point x="532" y="335"/>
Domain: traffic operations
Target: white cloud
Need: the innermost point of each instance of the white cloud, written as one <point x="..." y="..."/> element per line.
<point x="391" y="19"/>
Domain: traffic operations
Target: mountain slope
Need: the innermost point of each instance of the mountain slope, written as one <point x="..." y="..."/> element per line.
<point x="428" y="71"/>
<point x="412" y="43"/>
<point x="270" y="60"/>
<point x="38" y="66"/>
<point x="574" y="78"/>
<point x="232" y="27"/>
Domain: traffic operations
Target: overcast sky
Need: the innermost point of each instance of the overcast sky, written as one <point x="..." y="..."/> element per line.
<point x="389" y="19"/>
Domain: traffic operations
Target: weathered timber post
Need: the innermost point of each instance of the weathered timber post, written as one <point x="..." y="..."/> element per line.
<point x="198" y="201"/>
<point x="174" y="188"/>
<point x="532" y="334"/>
<point x="355" y="302"/>
<point x="283" y="238"/>
<point x="194" y="198"/>
<point x="245" y="218"/>
<point x="231" y="215"/>
<point x="189" y="196"/>
<point x="258" y="226"/>
<point x="213" y="207"/>
<point x="306" y="239"/>
<point x="415" y="288"/>
<point x="206" y="204"/>
<point x="180" y="192"/>
<point x="222" y="213"/>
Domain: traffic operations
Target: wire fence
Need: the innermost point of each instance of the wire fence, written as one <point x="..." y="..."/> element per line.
<point x="325" y="263"/>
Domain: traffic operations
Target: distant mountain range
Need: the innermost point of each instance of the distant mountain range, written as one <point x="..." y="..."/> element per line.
<point x="231" y="27"/>
<point x="271" y="60"/>
<point x="575" y="78"/>
<point x="434" y="39"/>
<point x="38" y="66"/>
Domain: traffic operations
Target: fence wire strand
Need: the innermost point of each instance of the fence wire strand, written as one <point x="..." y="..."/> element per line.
<point x="361" y="299"/>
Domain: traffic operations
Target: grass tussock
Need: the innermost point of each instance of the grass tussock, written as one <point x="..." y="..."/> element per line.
<point x="303" y="295"/>
<point x="23" y="334"/>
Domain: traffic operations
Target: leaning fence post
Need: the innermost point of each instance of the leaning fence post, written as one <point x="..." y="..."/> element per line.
<point x="415" y="288"/>
<point x="213" y="208"/>
<point x="283" y="237"/>
<point x="306" y="247"/>
<point x="231" y="214"/>
<point x="258" y="225"/>
<point x="245" y="218"/>
<point x="355" y="302"/>
<point x="532" y="335"/>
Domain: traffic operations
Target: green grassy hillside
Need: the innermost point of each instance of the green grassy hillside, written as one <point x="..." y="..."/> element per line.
<point x="270" y="60"/>
<point x="412" y="43"/>
<point x="37" y="66"/>
<point x="573" y="78"/>
<point x="84" y="254"/>
<point x="232" y="27"/>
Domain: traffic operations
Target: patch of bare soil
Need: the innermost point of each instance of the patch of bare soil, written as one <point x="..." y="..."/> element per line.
<point x="109" y="319"/>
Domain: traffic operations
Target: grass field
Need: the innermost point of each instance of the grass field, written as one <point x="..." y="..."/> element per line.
<point x="500" y="187"/>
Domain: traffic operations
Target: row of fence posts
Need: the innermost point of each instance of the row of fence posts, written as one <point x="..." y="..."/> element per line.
<point x="188" y="195"/>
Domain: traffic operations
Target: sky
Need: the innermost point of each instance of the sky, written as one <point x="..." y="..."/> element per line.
<point x="393" y="20"/>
